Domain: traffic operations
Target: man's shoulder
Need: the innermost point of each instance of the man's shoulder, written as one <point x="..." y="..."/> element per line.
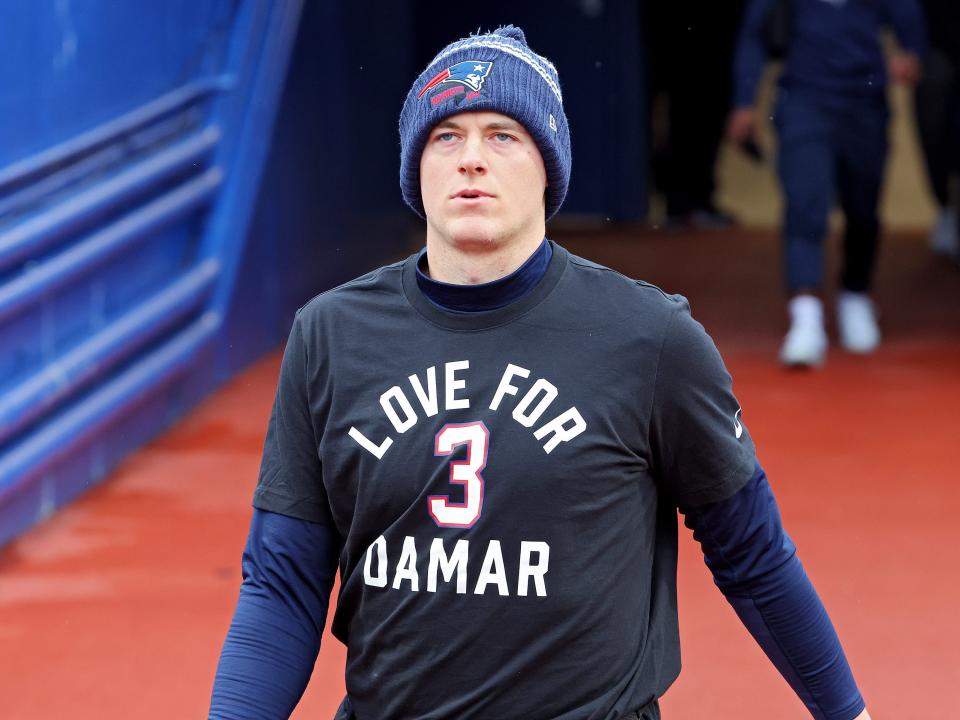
<point x="600" y="281"/>
<point x="376" y="284"/>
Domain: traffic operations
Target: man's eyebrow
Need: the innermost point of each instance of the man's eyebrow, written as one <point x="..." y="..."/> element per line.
<point x="503" y="125"/>
<point x="495" y="125"/>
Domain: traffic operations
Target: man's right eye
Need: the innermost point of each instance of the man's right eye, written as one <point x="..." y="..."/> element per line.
<point x="445" y="137"/>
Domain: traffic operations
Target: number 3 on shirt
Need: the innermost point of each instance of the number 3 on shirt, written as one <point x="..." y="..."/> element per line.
<point x="467" y="473"/>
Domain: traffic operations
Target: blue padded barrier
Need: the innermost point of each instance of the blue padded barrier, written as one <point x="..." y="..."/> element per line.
<point x="36" y="234"/>
<point x="44" y="278"/>
<point x="48" y="161"/>
<point x="101" y="353"/>
<point x="77" y="424"/>
<point x="124" y="206"/>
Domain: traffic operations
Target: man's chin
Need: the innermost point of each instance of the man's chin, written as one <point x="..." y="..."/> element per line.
<point x="474" y="233"/>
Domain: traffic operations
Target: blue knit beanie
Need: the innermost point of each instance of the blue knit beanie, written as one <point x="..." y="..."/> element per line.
<point x="494" y="72"/>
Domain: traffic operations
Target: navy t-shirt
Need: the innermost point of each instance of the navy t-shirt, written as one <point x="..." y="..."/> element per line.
<point x="505" y="485"/>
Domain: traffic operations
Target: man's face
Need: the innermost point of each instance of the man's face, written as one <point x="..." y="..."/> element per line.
<point x="482" y="181"/>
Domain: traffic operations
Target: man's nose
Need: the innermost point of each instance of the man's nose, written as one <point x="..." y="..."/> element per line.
<point x="473" y="158"/>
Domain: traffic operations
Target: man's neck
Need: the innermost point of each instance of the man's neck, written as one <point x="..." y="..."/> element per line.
<point x="474" y="264"/>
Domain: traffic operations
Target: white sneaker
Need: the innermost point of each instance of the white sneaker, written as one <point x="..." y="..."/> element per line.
<point x="857" y="323"/>
<point x="944" y="238"/>
<point x="806" y="342"/>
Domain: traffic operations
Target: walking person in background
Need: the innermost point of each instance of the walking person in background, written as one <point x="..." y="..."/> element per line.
<point x="831" y="122"/>
<point x="938" y="120"/>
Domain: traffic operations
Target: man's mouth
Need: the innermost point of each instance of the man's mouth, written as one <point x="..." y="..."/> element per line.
<point x="471" y="194"/>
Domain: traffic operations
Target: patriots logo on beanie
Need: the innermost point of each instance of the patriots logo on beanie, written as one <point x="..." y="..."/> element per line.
<point x="470" y="72"/>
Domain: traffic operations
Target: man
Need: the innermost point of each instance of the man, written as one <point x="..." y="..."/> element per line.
<point x="831" y="121"/>
<point x="491" y="439"/>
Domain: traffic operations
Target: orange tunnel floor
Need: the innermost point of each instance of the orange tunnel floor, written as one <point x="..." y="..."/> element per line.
<point x="117" y="605"/>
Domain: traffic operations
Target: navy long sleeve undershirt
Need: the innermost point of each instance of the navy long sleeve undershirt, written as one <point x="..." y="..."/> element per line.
<point x="289" y="567"/>
<point x="755" y="565"/>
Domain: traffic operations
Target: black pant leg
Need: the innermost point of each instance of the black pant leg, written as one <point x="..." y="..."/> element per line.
<point x="861" y="143"/>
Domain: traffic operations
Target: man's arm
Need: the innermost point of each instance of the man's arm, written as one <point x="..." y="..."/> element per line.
<point x="749" y="59"/>
<point x="754" y="563"/>
<point x="288" y="570"/>
<point x="705" y="459"/>
<point x="751" y="53"/>
<point x="906" y="18"/>
<point x="908" y="23"/>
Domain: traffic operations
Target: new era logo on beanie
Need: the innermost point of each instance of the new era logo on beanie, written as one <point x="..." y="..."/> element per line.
<point x="493" y="72"/>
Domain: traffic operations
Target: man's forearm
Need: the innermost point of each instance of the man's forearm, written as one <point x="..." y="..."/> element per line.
<point x="754" y="564"/>
<point x="264" y="667"/>
<point x="288" y="570"/>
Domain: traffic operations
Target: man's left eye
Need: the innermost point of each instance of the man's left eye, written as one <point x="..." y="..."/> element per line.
<point x="503" y="137"/>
